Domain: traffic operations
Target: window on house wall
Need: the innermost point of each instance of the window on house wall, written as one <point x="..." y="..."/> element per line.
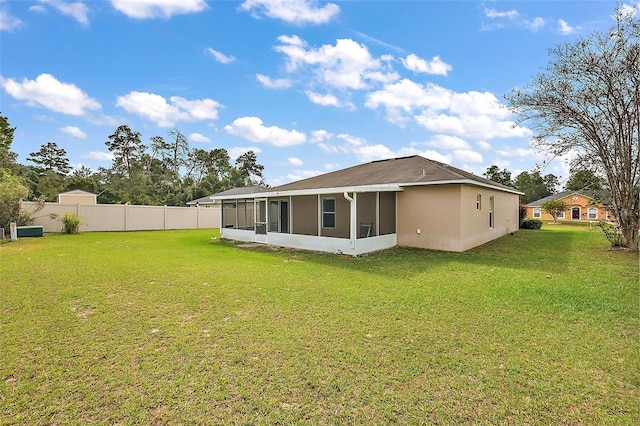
<point x="328" y="212"/>
<point x="478" y="202"/>
<point x="593" y="213"/>
<point x="537" y="213"/>
<point x="491" y="214"/>
<point x="561" y="215"/>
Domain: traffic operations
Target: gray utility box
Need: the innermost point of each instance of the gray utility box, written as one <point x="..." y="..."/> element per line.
<point x="30" y="231"/>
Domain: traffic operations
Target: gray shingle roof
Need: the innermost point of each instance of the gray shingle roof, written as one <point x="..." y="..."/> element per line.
<point x="233" y="191"/>
<point x="404" y="170"/>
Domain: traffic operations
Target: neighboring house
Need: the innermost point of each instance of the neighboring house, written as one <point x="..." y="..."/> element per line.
<point x="77" y="196"/>
<point x="210" y="201"/>
<point x="409" y="201"/>
<point x="579" y="207"/>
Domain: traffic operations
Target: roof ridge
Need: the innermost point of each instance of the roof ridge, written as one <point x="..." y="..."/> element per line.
<point x="446" y="167"/>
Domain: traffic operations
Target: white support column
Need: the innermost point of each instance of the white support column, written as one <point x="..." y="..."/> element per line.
<point x="352" y="219"/>
<point x="290" y="218"/>
<point x="319" y="205"/>
<point x="377" y="213"/>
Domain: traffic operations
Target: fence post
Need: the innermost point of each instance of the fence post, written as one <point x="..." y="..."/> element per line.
<point x="164" y="218"/>
<point x="197" y="216"/>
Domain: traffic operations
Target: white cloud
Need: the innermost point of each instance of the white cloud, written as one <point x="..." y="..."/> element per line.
<point x="199" y="109"/>
<point x="406" y="95"/>
<point x="221" y="57"/>
<point x="198" y="137"/>
<point x="379" y="42"/>
<point x="345" y="65"/>
<point x="320" y="136"/>
<point x="447" y="142"/>
<point x="99" y="155"/>
<point x="467" y="156"/>
<point x="156" y="108"/>
<point x="8" y="22"/>
<point x="77" y="10"/>
<point x="436" y="66"/>
<point x="253" y="129"/>
<point x="484" y="145"/>
<point x="565" y="28"/>
<point x="535" y="24"/>
<point x="369" y="153"/>
<point x="474" y="127"/>
<point x="493" y="13"/>
<point x="73" y="131"/>
<point x="47" y="91"/>
<point x="329" y="149"/>
<point x="299" y="175"/>
<point x="324" y="100"/>
<point x="328" y="100"/>
<point x="38" y="9"/>
<point x="519" y="152"/>
<point x="278" y="83"/>
<point x="365" y="152"/>
<point x="295" y="161"/>
<point x="352" y="141"/>
<point x="292" y="11"/>
<point x="473" y="115"/>
<point x="144" y="9"/>
<point x="477" y="104"/>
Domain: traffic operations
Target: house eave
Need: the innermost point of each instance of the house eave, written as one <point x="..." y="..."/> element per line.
<point x="391" y="187"/>
<point x="316" y="191"/>
<point x="461" y="182"/>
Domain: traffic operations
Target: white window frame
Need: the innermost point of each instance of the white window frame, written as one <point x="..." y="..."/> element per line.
<point x="491" y="214"/>
<point x="478" y="201"/>
<point x="326" y="212"/>
<point x="561" y="215"/>
<point x="595" y="213"/>
<point x="537" y="213"/>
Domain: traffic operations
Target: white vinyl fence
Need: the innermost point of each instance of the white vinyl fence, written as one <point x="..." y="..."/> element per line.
<point x="124" y="217"/>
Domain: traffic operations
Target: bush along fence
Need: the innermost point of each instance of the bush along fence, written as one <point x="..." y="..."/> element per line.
<point x="122" y="217"/>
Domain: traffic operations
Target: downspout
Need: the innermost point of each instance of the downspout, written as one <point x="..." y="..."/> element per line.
<point x="352" y="227"/>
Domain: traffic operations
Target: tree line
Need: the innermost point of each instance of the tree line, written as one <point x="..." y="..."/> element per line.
<point x="164" y="171"/>
<point x="536" y="186"/>
<point x="586" y="100"/>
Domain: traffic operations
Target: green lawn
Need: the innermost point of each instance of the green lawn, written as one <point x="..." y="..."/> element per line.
<point x="176" y="327"/>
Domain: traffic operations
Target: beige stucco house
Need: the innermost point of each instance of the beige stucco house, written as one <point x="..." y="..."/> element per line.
<point x="409" y="201"/>
<point x="77" y="196"/>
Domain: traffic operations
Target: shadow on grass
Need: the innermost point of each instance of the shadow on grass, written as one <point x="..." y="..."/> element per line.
<point x="525" y="250"/>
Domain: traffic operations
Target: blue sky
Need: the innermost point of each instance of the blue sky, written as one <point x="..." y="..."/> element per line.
<point x="310" y="86"/>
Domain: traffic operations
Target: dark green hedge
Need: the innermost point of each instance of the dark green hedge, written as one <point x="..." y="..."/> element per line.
<point x="531" y="224"/>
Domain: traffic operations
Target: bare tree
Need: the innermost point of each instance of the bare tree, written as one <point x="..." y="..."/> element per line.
<point x="588" y="101"/>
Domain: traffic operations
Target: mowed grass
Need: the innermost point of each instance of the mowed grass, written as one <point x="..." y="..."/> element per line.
<point x="180" y="327"/>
